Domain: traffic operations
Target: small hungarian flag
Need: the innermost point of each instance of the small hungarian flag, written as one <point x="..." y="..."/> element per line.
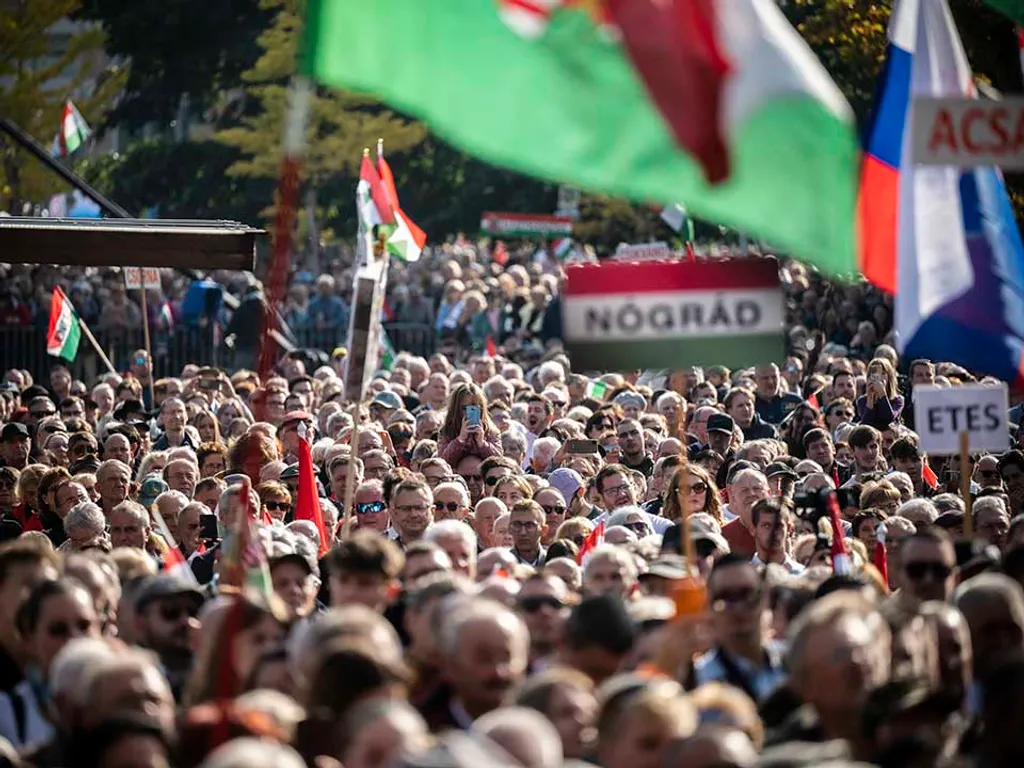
<point x="64" y="332"/>
<point x="490" y="348"/>
<point x="307" y="503"/>
<point x="592" y="542"/>
<point x="929" y="477"/>
<point x="842" y="564"/>
<point x="405" y="240"/>
<point x="73" y="133"/>
<point x="881" y="558"/>
<point x="372" y="197"/>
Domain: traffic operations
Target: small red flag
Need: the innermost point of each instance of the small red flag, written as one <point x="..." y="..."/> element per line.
<point x="881" y="558"/>
<point x="812" y="400"/>
<point x="929" y="477"/>
<point x="841" y="562"/>
<point x="307" y="505"/>
<point x="593" y="541"/>
<point x="491" y="348"/>
<point x="690" y="255"/>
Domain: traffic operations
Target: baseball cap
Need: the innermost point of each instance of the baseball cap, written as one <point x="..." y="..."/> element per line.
<point x="293" y="417"/>
<point x="567" y="482"/>
<point x="292" y="470"/>
<point x="14" y="431"/>
<point x="668" y="567"/>
<point x="779" y="468"/>
<point x="721" y="422"/>
<point x="166" y="585"/>
<point x="152" y="486"/>
<point x="128" y="408"/>
<point x="388" y="400"/>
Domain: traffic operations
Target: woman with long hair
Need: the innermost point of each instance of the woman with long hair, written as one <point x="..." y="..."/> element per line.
<point x="208" y="426"/>
<point x="459" y="438"/>
<point x="695" y="484"/>
<point x="881" y="405"/>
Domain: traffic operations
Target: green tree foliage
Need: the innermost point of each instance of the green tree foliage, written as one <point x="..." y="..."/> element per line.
<point x="606" y="222"/>
<point x="340" y="124"/>
<point x="39" y="69"/>
<point x="186" y="180"/>
<point x="185" y="48"/>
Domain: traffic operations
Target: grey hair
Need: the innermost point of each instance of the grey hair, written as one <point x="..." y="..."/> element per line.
<point x="177" y="496"/>
<point x="134" y="509"/>
<point x="621" y="515"/>
<point x="452" y="486"/>
<point x="948" y="502"/>
<point x="86" y="517"/>
<point x="550" y="369"/>
<point x="126" y="659"/>
<point x="514" y="436"/>
<point x="444" y="528"/>
<point x="918" y="505"/>
<point x="994" y="502"/>
<point x="148" y="461"/>
<point x="469" y="611"/>
<point x="110" y="464"/>
<point x="71" y="664"/>
<point x="229" y="497"/>
<point x="525" y="734"/>
<point x="248" y="752"/>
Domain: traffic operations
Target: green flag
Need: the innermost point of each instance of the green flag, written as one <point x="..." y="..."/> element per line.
<point x="549" y="90"/>
<point x="1012" y="8"/>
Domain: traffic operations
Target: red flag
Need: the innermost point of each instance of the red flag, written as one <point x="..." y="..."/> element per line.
<point x="673" y="47"/>
<point x="387" y="178"/>
<point x="491" y="348"/>
<point x="378" y="191"/>
<point x="929" y="477"/>
<point x="500" y="253"/>
<point x="881" y="558"/>
<point x="841" y="563"/>
<point x="812" y="400"/>
<point x="691" y="256"/>
<point x="307" y="505"/>
<point x="593" y="541"/>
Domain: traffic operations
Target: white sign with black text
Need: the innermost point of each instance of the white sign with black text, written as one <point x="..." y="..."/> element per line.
<point x="942" y="413"/>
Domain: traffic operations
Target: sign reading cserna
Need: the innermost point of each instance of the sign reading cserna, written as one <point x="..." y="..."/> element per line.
<point x="525" y="225"/>
<point x="624" y="316"/>
<point x="968" y="132"/>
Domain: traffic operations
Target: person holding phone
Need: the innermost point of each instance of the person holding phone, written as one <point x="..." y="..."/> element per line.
<point x="468" y="428"/>
<point x="881" y="405"/>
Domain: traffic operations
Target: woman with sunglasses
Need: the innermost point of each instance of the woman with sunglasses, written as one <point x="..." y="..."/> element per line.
<point x="696" y="485"/>
<point x="275" y="501"/>
<point x="468" y="428"/>
<point x="54" y="613"/>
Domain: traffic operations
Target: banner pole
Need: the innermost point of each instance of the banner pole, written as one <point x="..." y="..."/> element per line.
<point x="145" y="337"/>
<point x="96" y="345"/>
<point x="965" y="483"/>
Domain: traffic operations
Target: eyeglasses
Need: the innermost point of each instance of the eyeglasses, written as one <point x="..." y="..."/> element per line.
<point x="917" y="571"/>
<point x="437" y="479"/>
<point x="369" y="507"/>
<point x="451" y="506"/>
<point x="523" y="525"/>
<point x="554" y="510"/>
<point x="83" y="450"/>
<point x="283" y="506"/>
<point x="616" y="490"/>
<point x="698" y="487"/>
<point x="170" y="612"/>
<point x="845" y="415"/>
<point x="734" y="597"/>
<point x="534" y="604"/>
<point x="493" y="479"/>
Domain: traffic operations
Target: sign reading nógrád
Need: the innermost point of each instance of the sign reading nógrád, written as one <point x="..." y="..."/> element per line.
<point x="624" y="316"/>
<point x="525" y="225"/>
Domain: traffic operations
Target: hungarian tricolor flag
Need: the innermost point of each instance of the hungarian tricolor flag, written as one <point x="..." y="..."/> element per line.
<point x="592" y="542"/>
<point x="716" y="102"/>
<point x="372" y="197"/>
<point x="73" y="132"/>
<point x="307" y="503"/>
<point x="405" y="239"/>
<point x="64" y="332"/>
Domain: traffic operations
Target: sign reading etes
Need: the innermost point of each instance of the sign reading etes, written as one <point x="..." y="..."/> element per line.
<point x="942" y="413"/>
<point x="968" y="132"/>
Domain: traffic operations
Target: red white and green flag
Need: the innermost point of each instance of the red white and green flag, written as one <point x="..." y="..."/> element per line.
<point x="405" y="239"/>
<point x="627" y="315"/>
<point x="525" y="225"/>
<point x="64" y="332"/>
<point x="715" y="103"/>
<point x="73" y="132"/>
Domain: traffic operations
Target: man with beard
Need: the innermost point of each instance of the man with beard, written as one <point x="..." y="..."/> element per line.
<point x="539" y="412"/>
<point x="633" y="447"/>
<point x="167" y="607"/>
<point x="412" y="510"/>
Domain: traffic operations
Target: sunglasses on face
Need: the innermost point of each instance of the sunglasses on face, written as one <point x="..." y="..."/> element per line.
<point x="492" y="480"/>
<point x="282" y="506"/>
<point x="553" y="510"/>
<point x="451" y="506"/>
<point x="169" y="612"/>
<point x="534" y="604"/>
<point x="698" y="487"/>
<point x="370" y="507"/>
<point x="919" y="570"/>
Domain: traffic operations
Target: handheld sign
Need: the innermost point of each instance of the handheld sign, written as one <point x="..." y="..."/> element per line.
<point x="658" y="251"/>
<point x="136" y="277"/>
<point x="967" y="132"/>
<point x="525" y="225"/>
<point x="941" y="414"/>
<point x="623" y="316"/>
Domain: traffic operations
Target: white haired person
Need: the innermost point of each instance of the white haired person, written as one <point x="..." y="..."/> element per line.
<point x="85" y="527"/>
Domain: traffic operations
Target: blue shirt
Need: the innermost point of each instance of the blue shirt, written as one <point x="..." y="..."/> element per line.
<point x="710" y="668"/>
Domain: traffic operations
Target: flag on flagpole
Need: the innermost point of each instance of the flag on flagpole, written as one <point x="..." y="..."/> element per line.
<point x="592" y="542"/>
<point x="842" y="564"/>
<point x="929" y="477"/>
<point x="881" y="558"/>
<point x="406" y="240"/>
<point x="64" y="332"/>
<point x="943" y="239"/>
<point x="372" y="196"/>
<point x="1020" y="46"/>
<point x="307" y="503"/>
<point x="683" y="97"/>
<point x="490" y="348"/>
<point x="73" y="132"/>
<point x="174" y="561"/>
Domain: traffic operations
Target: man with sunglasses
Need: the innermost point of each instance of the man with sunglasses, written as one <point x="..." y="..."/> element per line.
<point x="167" y="606"/>
<point x="543" y="605"/>
<point x="986" y="472"/>
<point x="370" y="508"/>
<point x="451" y="501"/>
<point x="927" y="567"/>
<point x="39" y="408"/>
<point x="741" y="654"/>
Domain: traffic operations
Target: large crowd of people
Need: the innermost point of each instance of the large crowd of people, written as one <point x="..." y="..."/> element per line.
<point x="514" y="563"/>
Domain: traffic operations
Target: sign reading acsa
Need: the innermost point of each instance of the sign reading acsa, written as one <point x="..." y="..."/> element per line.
<point x="942" y="413"/>
<point x="968" y="132"/>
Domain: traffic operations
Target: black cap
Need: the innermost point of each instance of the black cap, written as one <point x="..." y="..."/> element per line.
<point x="721" y="422"/>
<point x="292" y="470"/>
<point x="167" y="585"/>
<point x="128" y="408"/>
<point x="779" y="468"/>
<point x="14" y="430"/>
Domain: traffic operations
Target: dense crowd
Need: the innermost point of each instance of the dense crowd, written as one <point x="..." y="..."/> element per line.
<point x="514" y="563"/>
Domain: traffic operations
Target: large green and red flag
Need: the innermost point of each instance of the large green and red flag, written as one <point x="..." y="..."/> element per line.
<point x="622" y="316"/>
<point x="718" y="104"/>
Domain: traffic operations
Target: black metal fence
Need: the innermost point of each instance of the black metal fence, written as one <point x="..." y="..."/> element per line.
<point x="25" y="347"/>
